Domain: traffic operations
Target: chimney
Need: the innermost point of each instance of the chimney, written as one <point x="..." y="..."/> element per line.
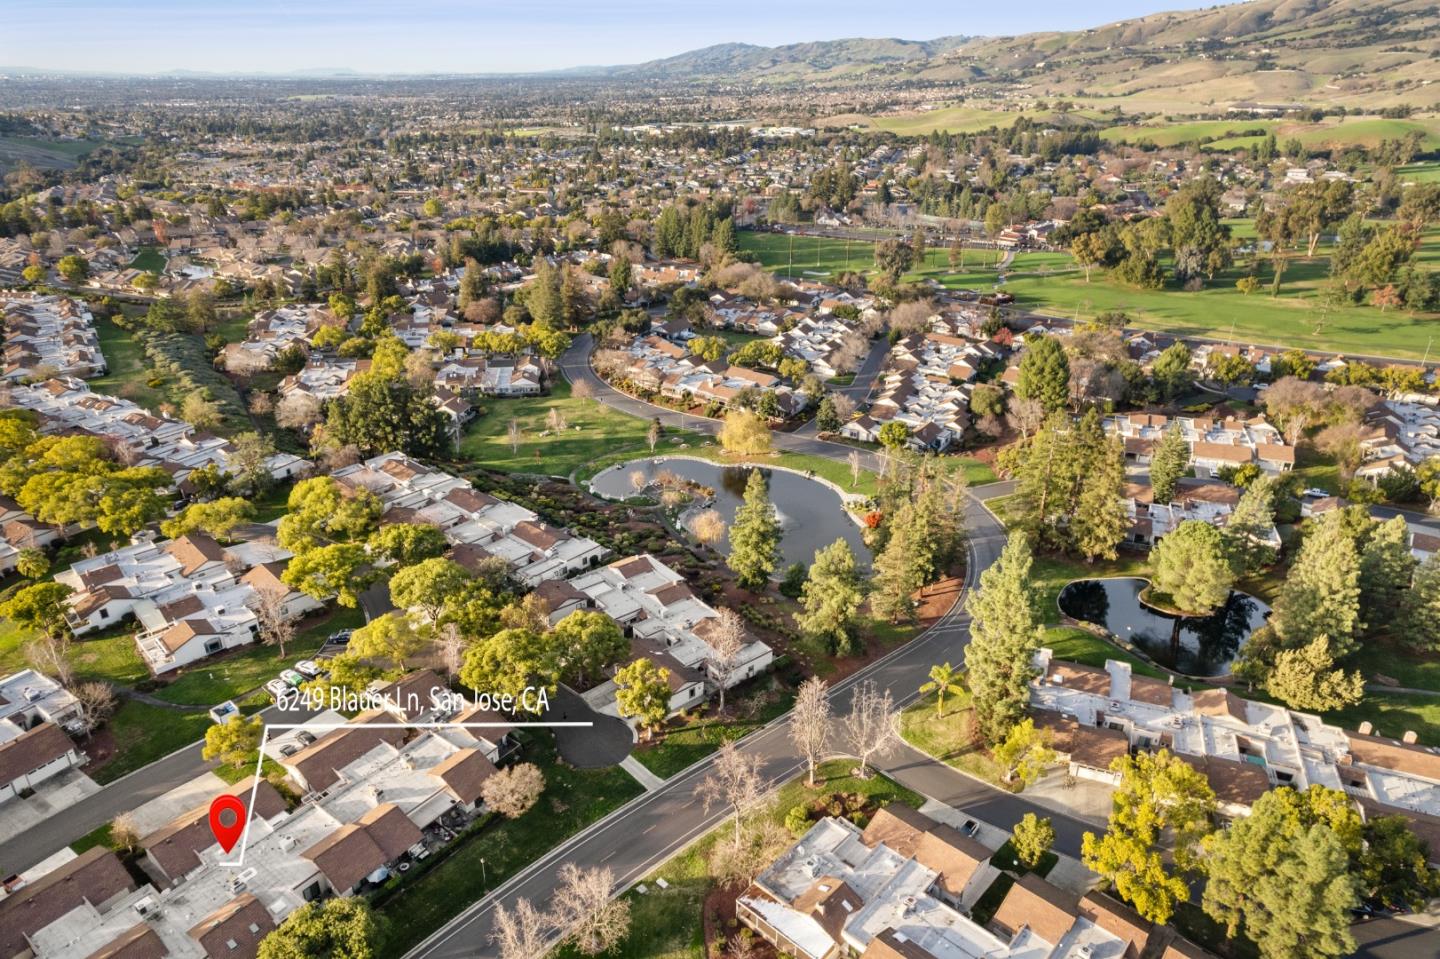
<point x="1409" y="738"/>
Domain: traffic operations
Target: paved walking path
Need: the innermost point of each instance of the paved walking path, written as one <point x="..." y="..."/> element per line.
<point x="642" y="775"/>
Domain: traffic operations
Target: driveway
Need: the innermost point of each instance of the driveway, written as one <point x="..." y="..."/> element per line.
<point x="605" y="743"/>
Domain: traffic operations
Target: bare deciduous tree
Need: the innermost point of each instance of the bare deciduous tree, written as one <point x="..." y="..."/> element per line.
<point x="276" y="626"/>
<point x="555" y="420"/>
<point x="97" y="702"/>
<point x="125" y="832"/>
<point x="515" y="435"/>
<point x="872" y="725"/>
<point x="585" y="911"/>
<point x="297" y="411"/>
<point x="844" y="407"/>
<point x="854" y="460"/>
<point x="49" y="652"/>
<point x="521" y="932"/>
<point x="709" y="527"/>
<point x="742" y="946"/>
<point x="511" y="792"/>
<point x="652" y="435"/>
<point x="582" y="390"/>
<point x="739" y="859"/>
<point x="1025" y="415"/>
<point x="726" y="640"/>
<point x="451" y="648"/>
<point x="734" y="781"/>
<point x="810" y="722"/>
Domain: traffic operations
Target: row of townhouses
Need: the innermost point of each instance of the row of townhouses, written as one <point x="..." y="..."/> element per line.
<point x="903" y="887"/>
<point x="48" y="336"/>
<point x="655" y="363"/>
<point x="1242" y="746"/>
<point x="66" y="405"/>
<point x="1215" y="444"/>
<point x="189" y="597"/>
<point x="36" y="713"/>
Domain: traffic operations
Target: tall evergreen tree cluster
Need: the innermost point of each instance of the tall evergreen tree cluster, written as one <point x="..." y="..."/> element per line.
<point x="1070" y="477"/>
<point x="1005" y="632"/>
<point x="682" y="230"/>
<point x="926" y="535"/>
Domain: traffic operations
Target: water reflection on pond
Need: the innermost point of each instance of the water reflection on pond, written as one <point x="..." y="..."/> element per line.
<point x="812" y="515"/>
<point x="1194" y="645"/>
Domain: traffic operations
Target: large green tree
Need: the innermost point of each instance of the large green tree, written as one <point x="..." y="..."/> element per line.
<point x="1101" y="518"/>
<point x="586" y="642"/>
<point x="339" y="928"/>
<point x="1321" y="595"/>
<point x="755" y="536"/>
<point x="1044" y="373"/>
<point x="1159" y="794"/>
<point x="1192" y="568"/>
<point x="1386" y="569"/>
<point x="831" y="598"/>
<point x="1283" y="883"/>
<point x="1169" y="462"/>
<point x="1004" y="634"/>
<point x="510" y="662"/>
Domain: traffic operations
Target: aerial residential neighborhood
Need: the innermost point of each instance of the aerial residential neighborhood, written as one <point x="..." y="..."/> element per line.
<point x="720" y="482"/>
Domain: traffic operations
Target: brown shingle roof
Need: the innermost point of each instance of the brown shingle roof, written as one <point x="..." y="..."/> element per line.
<point x="137" y="942"/>
<point x="898" y="826"/>
<point x="463" y="773"/>
<point x="391" y="829"/>
<point x="176" y="846"/>
<point x="95" y="876"/>
<point x="1087" y="745"/>
<point x="32" y="749"/>
<point x="1033" y="902"/>
<point x="194" y="551"/>
<point x="346" y="856"/>
<point x="952" y="854"/>
<point x="235" y="929"/>
<point x="320" y="762"/>
<point x="1119" y="920"/>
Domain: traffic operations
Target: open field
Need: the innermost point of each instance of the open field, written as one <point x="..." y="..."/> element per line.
<point x="1233" y="134"/>
<point x="149" y="258"/>
<point x="592" y="431"/>
<point x="43" y="153"/>
<point x="1293" y="318"/>
<point x="127" y="376"/>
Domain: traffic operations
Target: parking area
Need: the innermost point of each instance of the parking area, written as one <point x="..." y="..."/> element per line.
<point x="52" y="798"/>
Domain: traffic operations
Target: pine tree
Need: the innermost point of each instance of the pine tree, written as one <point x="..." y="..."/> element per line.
<point x="1249" y="526"/>
<point x="1420" y="614"/>
<point x="1306" y="678"/>
<point x="832" y="598"/>
<point x="1191" y="567"/>
<point x="1386" y="569"/>
<point x="1321" y="596"/>
<point x="1004" y="635"/>
<point x="1286" y="885"/>
<point x="1168" y="463"/>
<point x="1101" y="519"/>
<point x="755" y="536"/>
<point x="1044" y="373"/>
<point x="899" y="569"/>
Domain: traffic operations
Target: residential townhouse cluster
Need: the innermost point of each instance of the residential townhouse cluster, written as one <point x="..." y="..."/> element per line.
<point x="189" y="597"/>
<point x="1216" y="443"/>
<point x="664" y="366"/>
<point x="1399" y="434"/>
<point x="20" y="531"/>
<point x="1243" y="747"/>
<point x="36" y="714"/>
<point x="1204" y="500"/>
<point x="926" y="385"/>
<point x="903" y="887"/>
<point x="48" y="336"/>
<point x="273" y="332"/>
<point x="477" y="525"/>
<point x="665" y="622"/>
<point x="378" y="792"/>
<point x="67" y="405"/>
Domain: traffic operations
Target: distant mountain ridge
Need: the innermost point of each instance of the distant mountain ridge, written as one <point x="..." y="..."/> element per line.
<point x="1364" y="53"/>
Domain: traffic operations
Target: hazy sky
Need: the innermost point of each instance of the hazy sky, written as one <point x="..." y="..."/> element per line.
<point x="481" y="36"/>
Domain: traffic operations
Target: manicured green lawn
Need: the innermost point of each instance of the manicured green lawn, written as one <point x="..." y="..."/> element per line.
<point x="950" y="736"/>
<point x="149" y="258"/>
<point x="1075" y="645"/>
<point x="681" y="746"/>
<point x="209" y="683"/>
<point x="144" y="733"/>
<point x="1051" y="573"/>
<point x="573" y="799"/>
<point x="668" y="923"/>
<point x="600" y="431"/>
<point x="1291" y="319"/>
<point x="127" y="367"/>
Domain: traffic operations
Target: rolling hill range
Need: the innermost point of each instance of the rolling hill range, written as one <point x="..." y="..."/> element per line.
<point x="1362" y="54"/>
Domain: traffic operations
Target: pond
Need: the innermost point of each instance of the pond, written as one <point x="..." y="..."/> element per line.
<point x="812" y="515"/>
<point x="1193" y="645"/>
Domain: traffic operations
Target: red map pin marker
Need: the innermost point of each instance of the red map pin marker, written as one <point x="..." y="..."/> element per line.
<point x="227" y="834"/>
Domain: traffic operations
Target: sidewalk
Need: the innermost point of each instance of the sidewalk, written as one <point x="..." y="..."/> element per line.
<point x="642" y="775"/>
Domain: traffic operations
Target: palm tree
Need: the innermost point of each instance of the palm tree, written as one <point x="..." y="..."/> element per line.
<point x="944" y="678"/>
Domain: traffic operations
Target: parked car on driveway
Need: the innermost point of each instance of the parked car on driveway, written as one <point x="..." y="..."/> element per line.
<point x="277" y="688"/>
<point x="292" y="677"/>
<point x="308" y="667"/>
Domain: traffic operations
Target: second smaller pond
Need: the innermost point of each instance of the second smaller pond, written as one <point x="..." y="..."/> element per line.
<point x="1193" y="645"/>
